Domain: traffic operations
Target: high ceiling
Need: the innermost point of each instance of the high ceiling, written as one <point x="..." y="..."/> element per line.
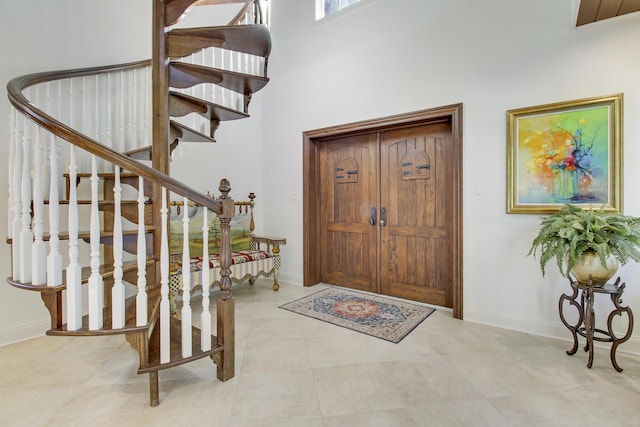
<point x="597" y="10"/>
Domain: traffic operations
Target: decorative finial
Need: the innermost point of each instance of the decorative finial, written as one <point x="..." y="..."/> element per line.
<point x="224" y="188"/>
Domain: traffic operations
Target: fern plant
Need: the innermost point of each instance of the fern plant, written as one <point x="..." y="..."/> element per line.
<point x="572" y="231"/>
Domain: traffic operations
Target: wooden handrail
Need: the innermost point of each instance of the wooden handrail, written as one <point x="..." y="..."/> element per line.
<point x="238" y="18"/>
<point x="15" y="90"/>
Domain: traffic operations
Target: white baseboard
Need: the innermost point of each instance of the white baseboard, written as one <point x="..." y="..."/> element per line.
<point x="24" y="332"/>
<point x="287" y="278"/>
<point x="543" y="328"/>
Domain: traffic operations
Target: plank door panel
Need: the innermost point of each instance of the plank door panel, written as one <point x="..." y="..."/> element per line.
<point x="348" y="192"/>
<point x="415" y="189"/>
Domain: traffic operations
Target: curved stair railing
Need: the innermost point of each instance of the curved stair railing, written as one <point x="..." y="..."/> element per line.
<point x="77" y="140"/>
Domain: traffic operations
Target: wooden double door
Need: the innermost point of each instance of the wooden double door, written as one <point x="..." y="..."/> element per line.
<point x="387" y="212"/>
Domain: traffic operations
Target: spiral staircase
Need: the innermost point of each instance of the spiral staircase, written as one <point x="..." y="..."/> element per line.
<point x="81" y="144"/>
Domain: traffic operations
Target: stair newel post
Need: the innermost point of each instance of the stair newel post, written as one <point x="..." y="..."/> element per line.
<point x="117" y="292"/>
<point x="205" y="317"/>
<point x="186" y="283"/>
<point x="26" y="234"/>
<point x="165" y="306"/>
<point x="74" y="281"/>
<point x="96" y="286"/>
<point x="141" y="298"/>
<point x="15" y="172"/>
<point x="225" y="305"/>
<point x="38" y="248"/>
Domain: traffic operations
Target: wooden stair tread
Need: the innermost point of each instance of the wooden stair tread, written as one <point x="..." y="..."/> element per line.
<point x="253" y="39"/>
<point x="179" y="131"/>
<point x="142" y="153"/>
<point x="176" y="9"/>
<point x="176" y="348"/>
<point x="86" y="235"/>
<point x="101" y="203"/>
<point x="107" y="175"/>
<point x="184" y="75"/>
<point x="189" y="135"/>
<point x="129" y="325"/>
<point x="181" y="105"/>
<point x="106" y="271"/>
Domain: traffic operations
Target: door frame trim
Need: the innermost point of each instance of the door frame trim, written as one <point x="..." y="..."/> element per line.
<point x="311" y="188"/>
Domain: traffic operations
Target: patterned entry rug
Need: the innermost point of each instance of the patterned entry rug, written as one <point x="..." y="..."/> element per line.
<point x="375" y="315"/>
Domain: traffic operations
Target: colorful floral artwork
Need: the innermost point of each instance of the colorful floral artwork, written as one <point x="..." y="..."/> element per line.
<point x="564" y="157"/>
<point x="563" y="153"/>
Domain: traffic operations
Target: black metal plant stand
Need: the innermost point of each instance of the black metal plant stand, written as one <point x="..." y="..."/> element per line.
<point x="586" y="320"/>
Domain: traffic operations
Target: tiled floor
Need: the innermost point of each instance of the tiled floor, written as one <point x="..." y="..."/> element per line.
<point x="296" y="371"/>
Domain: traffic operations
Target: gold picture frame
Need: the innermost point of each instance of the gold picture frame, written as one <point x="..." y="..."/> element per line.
<point x="566" y="152"/>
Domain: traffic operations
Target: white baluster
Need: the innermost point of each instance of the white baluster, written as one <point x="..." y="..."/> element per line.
<point x="12" y="148"/>
<point x="96" y="108"/>
<point x="26" y="234"/>
<point x="74" y="279"/>
<point x="84" y="124"/>
<point x="38" y="247"/>
<point x="205" y="317"/>
<point x="109" y="113"/>
<point x="13" y="134"/>
<point x="186" y="284"/>
<point x="147" y="109"/>
<point x="96" y="287"/>
<point x="192" y="92"/>
<point x="54" y="260"/>
<point x="266" y="19"/>
<point x="15" y="176"/>
<point x="141" y="298"/>
<point x="121" y="107"/>
<point x="223" y="55"/>
<point x="134" y="110"/>
<point x="214" y="88"/>
<point x="117" y="293"/>
<point x="165" y="313"/>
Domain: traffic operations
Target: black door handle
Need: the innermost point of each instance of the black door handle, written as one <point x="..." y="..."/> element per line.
<point x="372" y="218"/>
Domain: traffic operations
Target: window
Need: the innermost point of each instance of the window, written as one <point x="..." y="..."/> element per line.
<point x="327" y="7"/>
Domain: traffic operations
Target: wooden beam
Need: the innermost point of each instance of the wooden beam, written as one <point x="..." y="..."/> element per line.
<point x="587" y="11"/>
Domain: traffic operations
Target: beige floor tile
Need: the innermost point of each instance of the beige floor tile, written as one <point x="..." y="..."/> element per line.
<point x="298" y="422"/>
<point x="287" y="354"/>
<point x="464" y="413"/>
<point x="269" y="397"/>
<point x="349" y="389"/>
<point x="427" y="380"/>
<point x="294" y="371"/>
<point x="392" y="417"/>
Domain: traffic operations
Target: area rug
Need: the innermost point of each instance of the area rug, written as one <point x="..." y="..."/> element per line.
<point x="375" y="315"/>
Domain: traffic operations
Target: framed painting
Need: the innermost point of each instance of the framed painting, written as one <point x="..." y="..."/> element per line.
<point x="567" y="152"/>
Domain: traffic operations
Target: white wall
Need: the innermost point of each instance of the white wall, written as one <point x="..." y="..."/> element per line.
<point x="386" y="57"/>
<point x="382" y="57"/>
<point x="63" y="34"/>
